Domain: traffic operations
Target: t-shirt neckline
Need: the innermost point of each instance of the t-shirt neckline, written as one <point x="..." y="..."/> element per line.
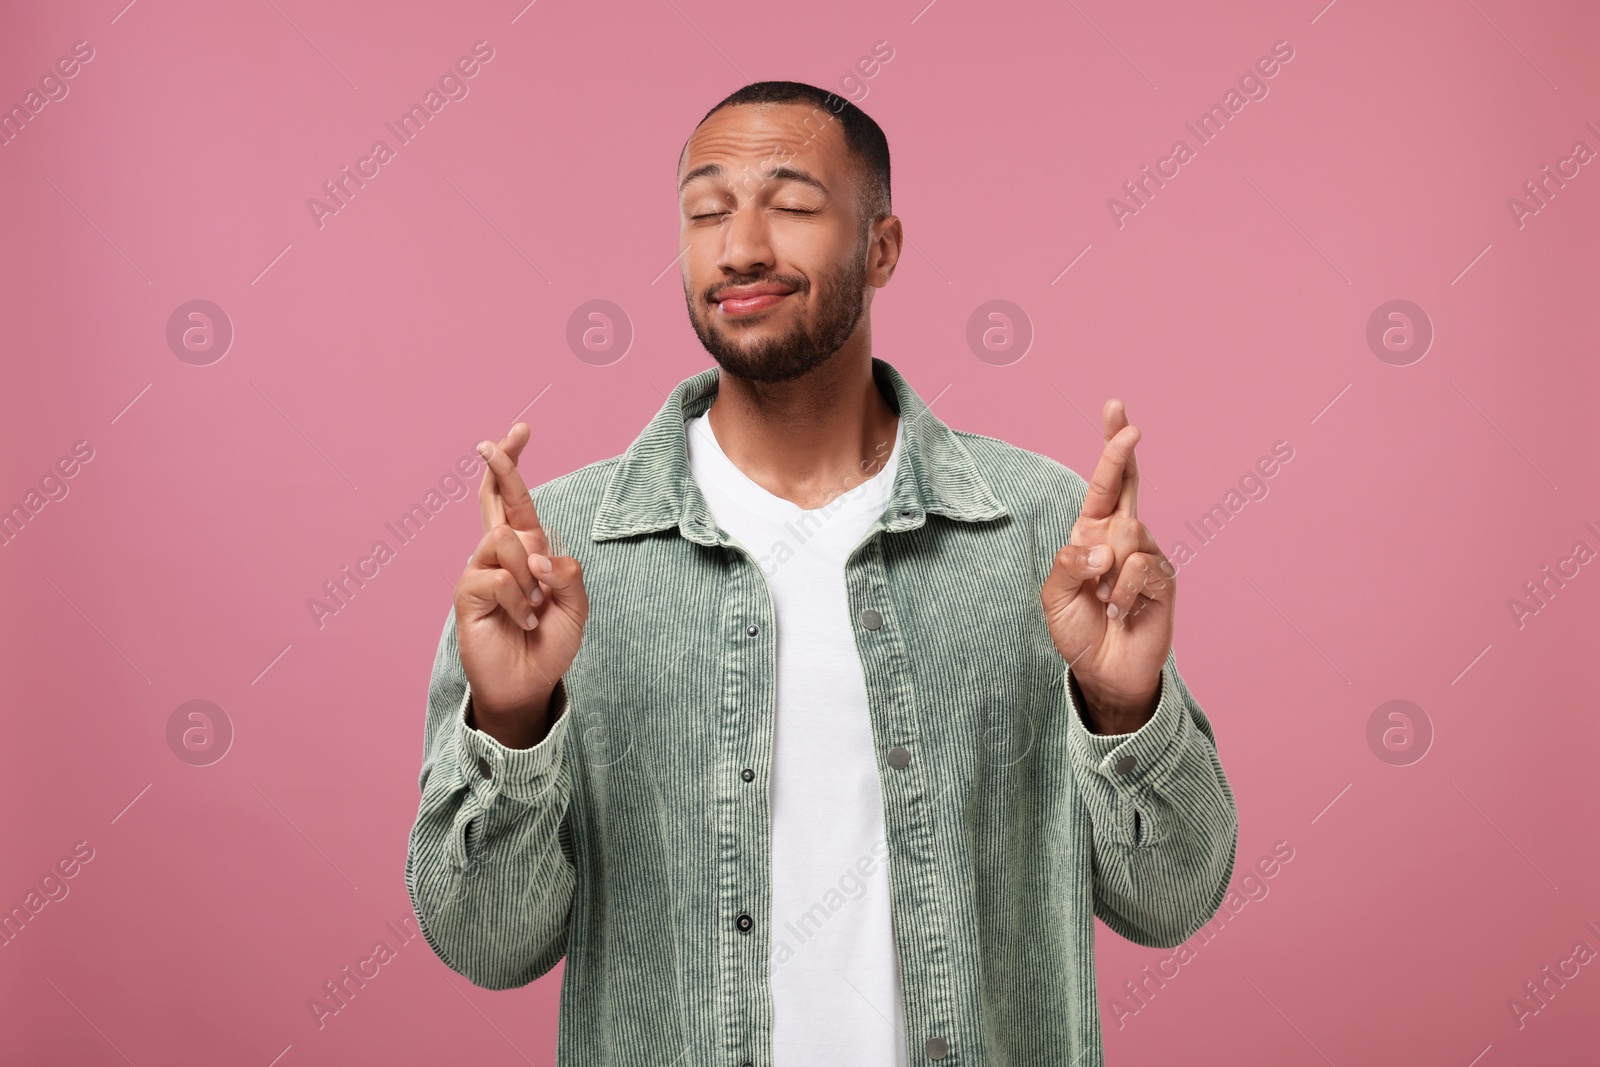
<point x="870" y="494"/>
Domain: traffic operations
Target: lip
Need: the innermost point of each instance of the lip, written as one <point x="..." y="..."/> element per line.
<point x="750" y="300"/>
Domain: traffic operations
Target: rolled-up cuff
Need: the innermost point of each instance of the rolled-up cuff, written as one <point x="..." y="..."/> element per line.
<point x="490" y="769"/>
<point x="1142" y="758"/>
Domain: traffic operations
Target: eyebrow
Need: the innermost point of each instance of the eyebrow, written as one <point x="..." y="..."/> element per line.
<point x="717" y="170"/>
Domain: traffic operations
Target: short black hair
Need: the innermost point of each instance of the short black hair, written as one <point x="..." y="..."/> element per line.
<point x="862" y="137"/>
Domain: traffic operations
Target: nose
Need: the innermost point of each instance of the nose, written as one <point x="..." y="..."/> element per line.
<point x="746" y="243"/>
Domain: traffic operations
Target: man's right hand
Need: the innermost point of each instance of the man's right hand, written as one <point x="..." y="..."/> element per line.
<point x="518" y="624"/>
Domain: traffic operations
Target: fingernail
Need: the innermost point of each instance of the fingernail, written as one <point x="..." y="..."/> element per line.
<point x="1097" y="555"/>
<point x="534" y="596"/>
<point x="533" y="620"/>
<point x="1111" y="611"/>
<point x="545" y="567"/>
<point x="1104" y="589"/>
<point x="485" y="449"/>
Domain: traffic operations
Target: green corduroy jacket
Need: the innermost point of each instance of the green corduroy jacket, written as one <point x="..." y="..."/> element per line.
<point x="634" y="839"/>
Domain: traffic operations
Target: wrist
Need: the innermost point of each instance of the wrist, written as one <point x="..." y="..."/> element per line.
<point x="1110" y="712"/>
<point x="519" y="726"/>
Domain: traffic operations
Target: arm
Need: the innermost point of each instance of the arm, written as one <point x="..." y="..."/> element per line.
<point x="1165" y="827"/>
<point x="489" y="867"/>
<point x="1166" y="830"/>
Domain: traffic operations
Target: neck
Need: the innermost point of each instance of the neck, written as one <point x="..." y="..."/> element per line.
<point x="811" y="438"/>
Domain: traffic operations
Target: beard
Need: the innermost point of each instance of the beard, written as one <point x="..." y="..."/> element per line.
<point x="840" y="302"/>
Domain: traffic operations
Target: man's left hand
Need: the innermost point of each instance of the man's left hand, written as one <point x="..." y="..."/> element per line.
<point x="1109" y="599"/>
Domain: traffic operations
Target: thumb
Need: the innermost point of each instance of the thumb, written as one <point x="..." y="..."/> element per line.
<point x="564" y="577"/>
<point x="1074" y="565"/>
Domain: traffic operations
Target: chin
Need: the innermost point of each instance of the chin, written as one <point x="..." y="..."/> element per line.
<point x="770" y="367"/>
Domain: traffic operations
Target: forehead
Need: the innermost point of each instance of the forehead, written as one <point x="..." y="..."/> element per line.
<point x="798" y="134"/>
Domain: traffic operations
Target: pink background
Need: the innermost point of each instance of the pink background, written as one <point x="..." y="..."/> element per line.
<point x="1230" y="313"/>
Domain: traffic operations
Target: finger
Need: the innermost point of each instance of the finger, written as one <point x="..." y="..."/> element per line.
<point x="1124" y="536"/>
<point x="1105" y="485"/>
<point x="1141" y="580"/>
<point x="502" y="548"/>
<point x="515" y="440"/>
<point x="1125" y="591"/>
<point x="490" y="509"/>
<point x="486" y="590"/>
<point x="513" y="599"/>
<point x="563" y="576"/>
<point x="514" y="496"/>
<point x="1113" y="417"/>
<point x="1128" y="500"/>
<point x="490" y="505"/>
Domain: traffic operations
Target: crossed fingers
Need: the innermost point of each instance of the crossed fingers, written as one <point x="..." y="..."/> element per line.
<point x="1138" y="572"/>
<point x="503" y="495"/>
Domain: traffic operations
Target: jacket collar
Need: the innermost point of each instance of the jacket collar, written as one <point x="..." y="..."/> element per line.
<point x="651" y="487"/>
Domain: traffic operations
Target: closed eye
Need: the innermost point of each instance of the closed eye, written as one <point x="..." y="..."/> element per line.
<point x="719" y="214"/>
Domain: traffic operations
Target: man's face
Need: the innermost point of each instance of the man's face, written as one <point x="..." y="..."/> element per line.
<point x="775" y="264"/>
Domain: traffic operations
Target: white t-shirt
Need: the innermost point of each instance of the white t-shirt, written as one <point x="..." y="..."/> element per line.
<point x="836" y="992"/>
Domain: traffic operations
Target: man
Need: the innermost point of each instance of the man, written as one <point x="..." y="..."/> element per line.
<point x="870" y="717"/>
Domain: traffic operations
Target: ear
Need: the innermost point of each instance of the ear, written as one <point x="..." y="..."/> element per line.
<point x="883" y="254"/>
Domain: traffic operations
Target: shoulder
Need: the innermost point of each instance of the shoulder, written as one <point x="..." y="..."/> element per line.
<point x="1029" y="483"/>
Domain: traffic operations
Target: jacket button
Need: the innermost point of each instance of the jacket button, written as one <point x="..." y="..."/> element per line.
<point x="899" y="757"/>
<point x="871" y="619"/>
<point x="744" y="923"/>
<point x="937" y="1048"/>
<point x="1125" y="764"/>
<point x="484" y="768"/>
<point x="752" y="629"/>
<point x="747" y="774"/>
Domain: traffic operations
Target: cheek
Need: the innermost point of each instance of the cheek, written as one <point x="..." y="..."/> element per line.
<point x="698" y="273"/>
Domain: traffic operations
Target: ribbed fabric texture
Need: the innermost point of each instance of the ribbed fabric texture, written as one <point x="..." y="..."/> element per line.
<point x="629" y="842"/>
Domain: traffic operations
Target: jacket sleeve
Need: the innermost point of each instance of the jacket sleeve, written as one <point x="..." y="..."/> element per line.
<point x="1166" y="830"/>
<point x="489" y="866"/>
